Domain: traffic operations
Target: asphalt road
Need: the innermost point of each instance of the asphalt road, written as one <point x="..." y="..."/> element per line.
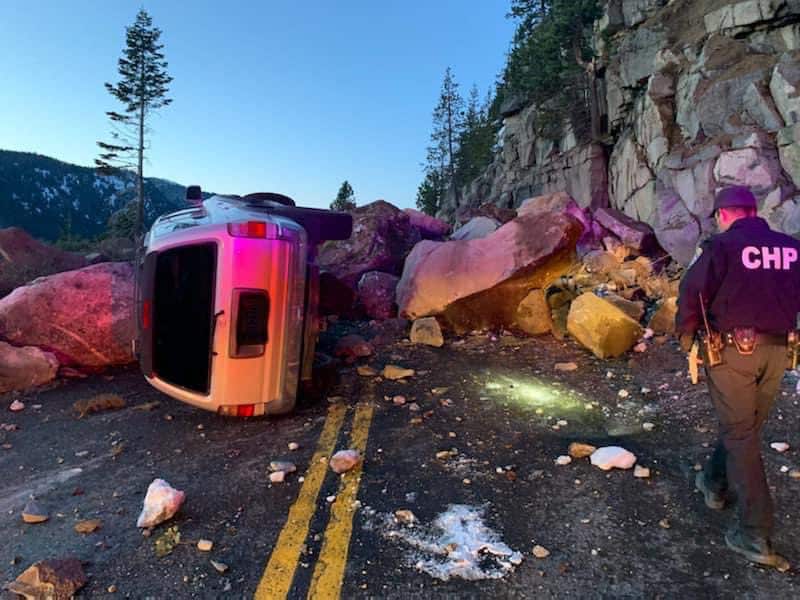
<point x="610" y="535"/>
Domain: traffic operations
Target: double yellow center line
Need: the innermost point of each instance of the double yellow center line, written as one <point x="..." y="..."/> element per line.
<point x="326" y="582"/>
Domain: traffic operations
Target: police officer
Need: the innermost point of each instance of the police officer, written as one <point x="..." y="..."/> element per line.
<point x="748" y="279"/>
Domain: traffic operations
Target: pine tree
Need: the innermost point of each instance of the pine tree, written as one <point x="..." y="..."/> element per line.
<point x="345" y="198"/>
<point x="551" y="63"/>
<point x="430" y="192"/>
<point x="477" y="138"/>
<point x="142" y="89"/>
<point x="440" y="165"/>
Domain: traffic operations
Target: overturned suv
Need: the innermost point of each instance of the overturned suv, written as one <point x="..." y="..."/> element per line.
<point x="227" y="300"/>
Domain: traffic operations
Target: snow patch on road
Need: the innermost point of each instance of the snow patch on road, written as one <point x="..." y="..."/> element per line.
<point x="457" y="544"/>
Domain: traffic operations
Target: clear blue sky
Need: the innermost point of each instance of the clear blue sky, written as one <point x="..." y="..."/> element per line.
<point x="268" y="95"/>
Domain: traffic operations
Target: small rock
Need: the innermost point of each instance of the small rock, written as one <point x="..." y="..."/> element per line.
<point x="88" y="526"/>
<point x="405" y="516"/>
<point x="34" y="513"/>
<point x="345" y="460"/>
<point x="219" y="566"/>
<point x="623" y="393"/>
<point x="414" y="407"/>
<point x="640" y="347"/>
<point x="779" y="446"/>
<point x="540" y="551"/>
<point x="393" y="372"/>
<point x="580" y="450"/>
<point x="664" y="524"/>
<point x="277" y="477"/>
<point x="205" y="545"/>
<point x="641" y="472"/>
<point x="16" y="406"/>
<point x="366" y="371"/>
<point x="566" y="366"/>
<point x="330" y="499"/>
<point x="648" y="426"/>
<point x="282" y="465"/>
<point x="427" y="331"/>
<point x="563" y="460"/>
<point x="784" y="469"/>
<point x="610" y="457"/>
<point x="445" y="454"/>
<point x="112" y="589"/>
<point x="562" y="423"/>
<point x="294" y="446"/>
<point x="399" y="400"/>
<point x="161" y="503"/>
<point x="82" y="454"/>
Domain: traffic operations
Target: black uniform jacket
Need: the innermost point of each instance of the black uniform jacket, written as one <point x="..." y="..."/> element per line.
<point x="749" y="276"/>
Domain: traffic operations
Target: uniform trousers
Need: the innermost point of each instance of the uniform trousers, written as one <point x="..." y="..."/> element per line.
<point x="743" y="389"/>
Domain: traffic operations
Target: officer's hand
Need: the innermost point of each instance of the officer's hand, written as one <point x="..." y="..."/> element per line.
<point x="686" y="340"/>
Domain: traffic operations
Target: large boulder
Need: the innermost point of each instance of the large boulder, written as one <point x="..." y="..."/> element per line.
<point x="601" y="327"/>
<point x="480" y="283"/>
<point x="23" y="368"/>
<point x="382" y="237"/>
<point x="22" y="259"/>
<point x="634" y="234"/>
<point x="84" y="317"/>
<point x="476" y="228"/>
<point x="430" y="228"/>
<point x="533" y="314"/>
<point x="376" y="292"/>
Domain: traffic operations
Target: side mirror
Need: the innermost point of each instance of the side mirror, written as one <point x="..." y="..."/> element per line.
<point x="194" y="195"/>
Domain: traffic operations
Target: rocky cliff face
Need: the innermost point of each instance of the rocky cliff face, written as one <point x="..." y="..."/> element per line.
<point x="695" y="94"/>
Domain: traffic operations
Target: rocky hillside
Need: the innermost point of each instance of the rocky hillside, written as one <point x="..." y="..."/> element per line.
<point x="48" y="198"/>
<point x="694" y="94"/>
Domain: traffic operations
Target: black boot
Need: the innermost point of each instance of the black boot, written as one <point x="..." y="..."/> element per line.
<point x="755" y="549"/>
<point x="713" y="499"/>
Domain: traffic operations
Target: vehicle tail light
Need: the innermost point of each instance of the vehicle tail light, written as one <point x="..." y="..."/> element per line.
<point x="240" y="410"/>
<point x="248" y="229"/>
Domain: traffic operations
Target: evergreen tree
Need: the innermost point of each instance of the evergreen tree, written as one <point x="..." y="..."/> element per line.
<point x="142" y="89"/>
<point x="345" y="198"/>
<point x="477" y="138"/>
<point x="440" y="165"/>
<point x="551" y="62"/>
<point x="430" y="192"/>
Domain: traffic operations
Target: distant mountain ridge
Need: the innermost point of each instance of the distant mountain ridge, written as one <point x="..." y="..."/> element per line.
<point x="48" y="197"/>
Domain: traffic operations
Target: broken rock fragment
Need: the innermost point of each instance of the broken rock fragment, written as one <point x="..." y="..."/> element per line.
<point x="394" y="372"/>
<point x="580" y="450"/>
<point x="601" y="327"/>
<point x="345" y="460"/>
<point x="34" y="513"/>
<point x="427" y="331"/>
<point x="161" y="503"/>
<point x="51" y="579"/>
<point x="613" y="457"/>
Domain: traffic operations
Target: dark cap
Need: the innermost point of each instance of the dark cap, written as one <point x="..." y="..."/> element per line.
<point x="736" y="195"/>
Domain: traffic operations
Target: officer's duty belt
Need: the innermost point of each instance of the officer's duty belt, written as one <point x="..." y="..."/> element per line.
<point x="761" y="339"/>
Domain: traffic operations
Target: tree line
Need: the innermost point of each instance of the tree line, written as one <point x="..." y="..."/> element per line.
<point x="550" y="64"/>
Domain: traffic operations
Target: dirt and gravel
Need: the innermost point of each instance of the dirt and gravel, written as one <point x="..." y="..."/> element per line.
<point x="492" y="401"/>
